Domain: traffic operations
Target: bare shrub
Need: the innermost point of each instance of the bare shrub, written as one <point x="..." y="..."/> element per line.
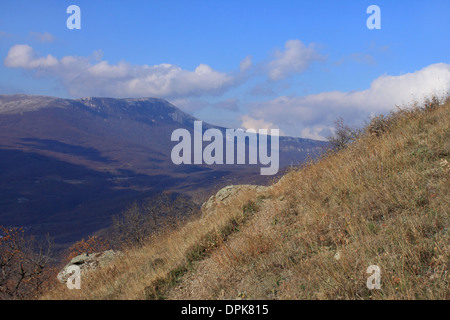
<point x="432" y="103"/>
<point x="91" y="245"/>
<point x="24" y="266"/>
<point x="343" y="135"/>
<point x="378" y="125"/>
<point x="138" y="222"/>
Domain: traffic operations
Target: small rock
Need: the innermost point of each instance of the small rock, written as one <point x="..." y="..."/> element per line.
<point x="337" y="256"/>
<point x="225" y="195"/>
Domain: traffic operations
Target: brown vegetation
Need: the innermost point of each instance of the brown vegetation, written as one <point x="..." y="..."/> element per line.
<point x="91" y="245"/>
<point x="24" y="267"/>
<point x="134" y="226"/>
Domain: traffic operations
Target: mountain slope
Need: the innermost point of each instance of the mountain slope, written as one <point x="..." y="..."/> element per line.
<point x="383" y="201"/>
<point x="67" y="165"/>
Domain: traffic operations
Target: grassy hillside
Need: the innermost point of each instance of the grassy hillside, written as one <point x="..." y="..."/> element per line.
<point x="384" y="200"/>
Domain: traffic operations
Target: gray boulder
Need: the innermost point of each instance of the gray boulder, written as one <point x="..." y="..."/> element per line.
<point x="88" y="262"/>
<point x="226" y="195"/>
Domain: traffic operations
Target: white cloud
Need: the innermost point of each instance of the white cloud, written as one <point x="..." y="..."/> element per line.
<point x="86" y="76"/>
<point x="311" y="115"/>
<point x="295" y="59"/>
<point x="92" y="76"/>
<point x="316" y="132"/>
<point x="23" y="56"/>
<point x="247" y="122"/>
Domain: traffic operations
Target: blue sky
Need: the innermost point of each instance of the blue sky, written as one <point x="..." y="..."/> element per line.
<point x="292" y="65"/>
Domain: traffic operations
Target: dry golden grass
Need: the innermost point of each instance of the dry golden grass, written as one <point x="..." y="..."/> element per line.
<point x="140" y="272"/>
<point x="382" y="201"/>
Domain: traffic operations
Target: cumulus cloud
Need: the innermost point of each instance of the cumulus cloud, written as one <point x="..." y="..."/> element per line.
<point x="23" y="56"/>
<point x="86" y="76"/>
<point x="247" y="122"/>
<point x="314" y="115"/>
<point x="310" y="116"/>
<point x="295" y="59"/>
<point x="317" y="132"/>
<point x="93" y="76"/>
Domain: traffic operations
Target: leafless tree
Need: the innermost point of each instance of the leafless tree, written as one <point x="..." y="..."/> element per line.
<point x="133" y="226"/>
<point x="343" y="135"/>
<point x="24" y="265"/>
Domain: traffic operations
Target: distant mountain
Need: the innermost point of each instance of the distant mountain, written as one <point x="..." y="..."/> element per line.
<point x="67" y="165"/>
